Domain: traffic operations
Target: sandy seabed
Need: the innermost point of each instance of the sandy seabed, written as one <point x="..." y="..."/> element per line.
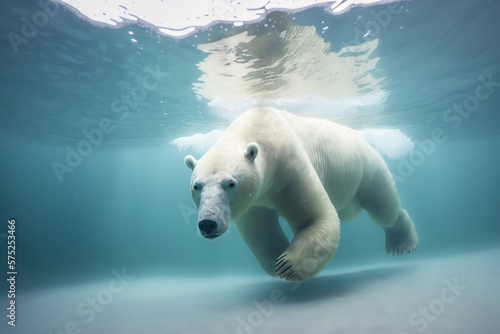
<point x="454" y="294"/>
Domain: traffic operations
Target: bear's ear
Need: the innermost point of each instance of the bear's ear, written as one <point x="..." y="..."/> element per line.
<point x="252" y="151"/>
<point x="190" y="161"/>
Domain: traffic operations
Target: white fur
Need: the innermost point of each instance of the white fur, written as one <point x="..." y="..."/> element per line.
<point x="311" y="172"/>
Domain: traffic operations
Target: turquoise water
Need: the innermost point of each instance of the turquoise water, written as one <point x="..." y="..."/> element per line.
<point x="429" y="69"/>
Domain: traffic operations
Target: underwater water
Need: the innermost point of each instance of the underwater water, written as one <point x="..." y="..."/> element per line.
<point x="95" y="122"/>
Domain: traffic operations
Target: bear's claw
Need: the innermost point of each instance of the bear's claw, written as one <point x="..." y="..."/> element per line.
<point x="289" y="275"/>
<point x="401" y="251"/>
<point x="281" y="257"/>
<point x="285" y="272"/>
<point x="278" y="267"/>
<point x="279" y="261"/>
<point x="283" y="268"/>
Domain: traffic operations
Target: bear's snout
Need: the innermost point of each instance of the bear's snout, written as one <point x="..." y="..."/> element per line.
<point x="207" y="228"/>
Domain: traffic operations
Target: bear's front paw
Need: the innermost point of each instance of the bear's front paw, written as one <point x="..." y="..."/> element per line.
<point x="289" y="270"/>
<point x="282" y="268"/>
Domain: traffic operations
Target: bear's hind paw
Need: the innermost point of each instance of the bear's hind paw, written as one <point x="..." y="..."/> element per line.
<point x="401" y="238"/>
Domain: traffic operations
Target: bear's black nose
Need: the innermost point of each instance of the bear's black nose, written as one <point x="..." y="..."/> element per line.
<point x="207" y="228"/>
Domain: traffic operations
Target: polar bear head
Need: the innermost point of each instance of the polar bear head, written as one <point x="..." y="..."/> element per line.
<point x="224" y="184"/>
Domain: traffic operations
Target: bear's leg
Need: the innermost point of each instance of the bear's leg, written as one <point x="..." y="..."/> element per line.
<point x="381" y="201"/>
<point x="401" y="238"/>
<point x="263" y="234"/>
<point x="310" y="250"/>
<point x="316" y="226"/>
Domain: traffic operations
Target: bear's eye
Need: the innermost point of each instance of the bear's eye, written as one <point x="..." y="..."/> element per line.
<point x="228" y="183"/>
<point x="197" y="186"/>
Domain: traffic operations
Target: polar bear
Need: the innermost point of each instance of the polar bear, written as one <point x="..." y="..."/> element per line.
<point x="309" y="171"/>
